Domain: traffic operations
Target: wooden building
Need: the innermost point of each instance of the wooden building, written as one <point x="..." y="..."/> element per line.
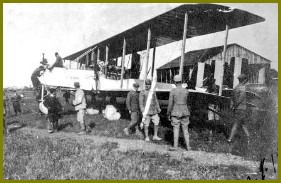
<point x="206" y="63"/>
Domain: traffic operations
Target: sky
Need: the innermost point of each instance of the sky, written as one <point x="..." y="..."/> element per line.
<point x="32" y="29"/>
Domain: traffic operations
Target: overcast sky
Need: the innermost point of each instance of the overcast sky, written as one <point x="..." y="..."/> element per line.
<point x="32" y="29"/>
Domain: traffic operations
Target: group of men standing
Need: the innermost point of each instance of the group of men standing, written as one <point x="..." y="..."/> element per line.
<point x="52" y="103"/>
<point x="178" y="110"/>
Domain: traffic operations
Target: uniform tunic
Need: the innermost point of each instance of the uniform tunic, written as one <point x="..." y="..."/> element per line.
<point x="178" y="102"/>
<point x="239" y="97"/>
<point x="16" y="99"/>
<point x="58" y="63"/>
<point x="154" y="105"/>
<point x="54" y="108"/>
<point x="132" y="101"/>
<point x="240" y="102"/>
<point x="177" y="107"/>
<point x="34" y="78"/>
<point x="80" y="104"/>
<point x="154" y="108"/>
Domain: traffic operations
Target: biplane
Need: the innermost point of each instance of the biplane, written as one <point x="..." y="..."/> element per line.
<point x="110" y="67"/>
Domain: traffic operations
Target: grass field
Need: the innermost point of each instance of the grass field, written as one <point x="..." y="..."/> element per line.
<point x="30" y="157"/>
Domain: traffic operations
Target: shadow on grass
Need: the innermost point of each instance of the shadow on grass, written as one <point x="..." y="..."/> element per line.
<point x="13" y="122"/>
<point x="29" y="111"/>
<point x="63" y="126"/>
<point x="12" y="129"/>
<point x="69" y="112"/>
<point x="92" y="124"/>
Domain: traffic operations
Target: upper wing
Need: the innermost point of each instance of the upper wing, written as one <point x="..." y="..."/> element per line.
<point x="168" y="27"/>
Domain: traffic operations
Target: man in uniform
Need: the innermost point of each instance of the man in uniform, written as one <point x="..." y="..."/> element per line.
<point x="6" y="104"/>
<point x="153" y="111"/>
<point x="66" y="96"/>
<point x="80" y="105"/>
<point x="37" y="73"/>
<point x="240" y="108"/>
<point x="16" y="100"/>
<point x="132" y="103"/>
<point x="178" y="112"/>
<point x="212" y="116"/>
<point x="58" y="62"/>
<point x="54" y="110"/>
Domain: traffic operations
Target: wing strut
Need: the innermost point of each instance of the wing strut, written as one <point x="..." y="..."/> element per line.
<point x="123" y="60"/>
<point x="224" y="58"/>
<point x="147" y="53"/>
<point x="106" y="60"/>
<point x="153" y="61"/>
<point x="183" y="44"/>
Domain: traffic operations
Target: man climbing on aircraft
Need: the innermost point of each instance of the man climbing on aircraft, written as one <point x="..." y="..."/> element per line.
<point x="37" y="86"/>
<point x="58" y="62"/>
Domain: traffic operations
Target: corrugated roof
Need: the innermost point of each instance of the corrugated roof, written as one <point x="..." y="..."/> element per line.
<point x="168" y="27"/>
<point x="192" y="57"/>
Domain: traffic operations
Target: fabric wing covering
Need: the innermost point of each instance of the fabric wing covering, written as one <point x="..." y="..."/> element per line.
<point x="168" y="27"/>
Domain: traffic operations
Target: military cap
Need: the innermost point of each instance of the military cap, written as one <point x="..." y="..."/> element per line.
<point x="76" y="84"/>
<point x="242" y="77"/>
<point x="148" y="82"/>
<point x="52" y="90"/>
<point x="177" y="78"/>
<point x="136" y="85"/>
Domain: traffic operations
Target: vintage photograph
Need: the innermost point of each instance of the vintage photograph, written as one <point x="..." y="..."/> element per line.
<point x="170" y="91"/>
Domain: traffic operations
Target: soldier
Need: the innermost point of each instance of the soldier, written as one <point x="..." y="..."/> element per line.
<point x="16" y="100"/>
<point x="66" y="96"/>
<point x="240" y="108"/>
<point x="178" y="112"/>
<point x="54" y="110"/>
<point x="6" y="104"/>
<point x="153" y="111"/>
<point x="132" y="103"/>
<point x="80" y="105"/>
<point x="37" y="73"/>
<point x="58" y="62"/>
<point x="212" y="116"/>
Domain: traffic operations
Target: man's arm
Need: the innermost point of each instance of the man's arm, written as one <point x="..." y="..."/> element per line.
<point x="141" y="101"/>
<point x="78" y="98"/>
<point x="59" y="105"/>
<point x="128" y="101"/>
<point x="56" y="64"/>
<point x="157" y="103"/>
<point x="171" y="103"/>
<point x="50" y="68"/>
